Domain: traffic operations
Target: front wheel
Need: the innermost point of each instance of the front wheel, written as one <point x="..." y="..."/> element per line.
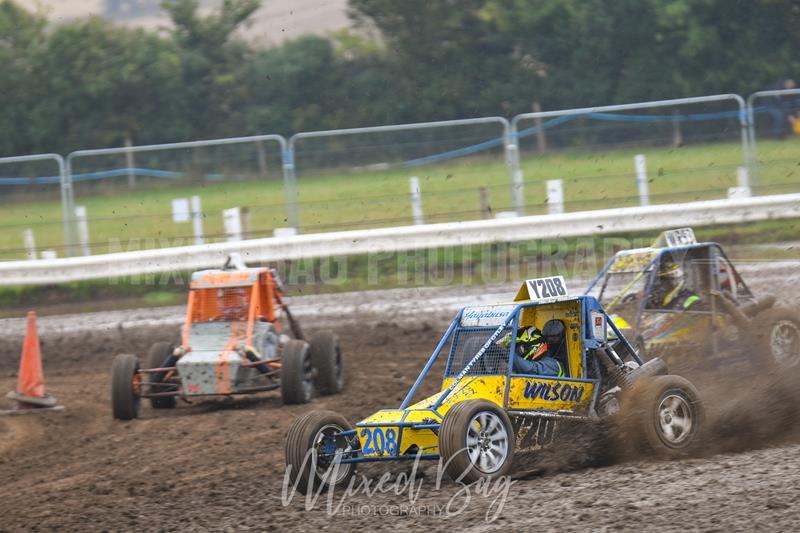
<point x="664" y="415"/>
<point x="125" y="387"/>
<point x="776" y="335"/>
<point x="314" y="449"/>
<point x="476" y="441"/>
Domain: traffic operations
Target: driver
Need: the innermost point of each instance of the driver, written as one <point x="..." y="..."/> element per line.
<point x="233" y="303"/>
<point x="671" y="291"/>
<point x="531" y="355"/>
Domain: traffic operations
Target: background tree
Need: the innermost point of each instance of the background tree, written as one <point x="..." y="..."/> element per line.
<point x="21" y="36"/>
<point x="100" y="83"/>
<point x="91" y="83"/>
<point x="212" y="64"/>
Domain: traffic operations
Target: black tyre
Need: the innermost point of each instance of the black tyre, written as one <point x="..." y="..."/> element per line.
<point x="326" y="359"/>
<point x="476" y="440"/>
<point x="775" y="335"/>
<point x="160" y="356"/>
<point x="663" y="416"/>
<point x="125" y="384"/>
<point x="296" y="373"/>
<point x="309" y="464"/>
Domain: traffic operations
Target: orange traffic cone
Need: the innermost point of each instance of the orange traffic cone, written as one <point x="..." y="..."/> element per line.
<point x="30" y="385"/>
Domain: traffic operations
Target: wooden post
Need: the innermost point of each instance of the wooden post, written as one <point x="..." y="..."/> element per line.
<point x="416" y="201"/>
<point x="555" y="197"/>
<point x="541" y="139"/>
<point x="640" y="162"/>
<point x="83" y="229"/>
<point x="244" y="213"/>
<point x="197" y="219"/>
<point x="30" y="243"/>
<point x="486" y="203"/>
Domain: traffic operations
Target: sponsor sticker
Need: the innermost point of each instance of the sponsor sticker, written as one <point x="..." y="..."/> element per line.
<point x="487" y="315"/>
<point x="598" y="325"/>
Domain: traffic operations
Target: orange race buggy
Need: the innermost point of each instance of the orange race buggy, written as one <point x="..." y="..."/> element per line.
<point x="239" y="338"/>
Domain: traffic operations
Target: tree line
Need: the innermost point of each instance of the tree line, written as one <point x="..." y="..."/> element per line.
<point x="91" y="83"/>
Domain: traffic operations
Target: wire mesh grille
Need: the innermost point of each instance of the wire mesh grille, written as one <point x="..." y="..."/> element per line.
<point x="229" y="303"/>
<point x="468" y="342"/>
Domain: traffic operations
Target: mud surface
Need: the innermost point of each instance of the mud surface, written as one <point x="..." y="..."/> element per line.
<point x="220" y="466"/>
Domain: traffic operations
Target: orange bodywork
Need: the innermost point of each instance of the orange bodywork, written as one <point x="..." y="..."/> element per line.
<point x="229" y="296"/>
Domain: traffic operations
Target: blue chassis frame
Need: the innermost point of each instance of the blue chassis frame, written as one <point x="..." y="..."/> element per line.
<point x="588" y="304"/>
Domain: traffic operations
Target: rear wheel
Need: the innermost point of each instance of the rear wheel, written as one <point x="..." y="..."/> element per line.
<point x="776" y="338"/>
<point x="313" y="451"/>
<point x="296" y="372"/>
<point x="160" y="356"/>
<point x="476" y="440"/>
<point x="125" y="387"/>
<point x="663" y="415"/>
<point x="326" y="358"/>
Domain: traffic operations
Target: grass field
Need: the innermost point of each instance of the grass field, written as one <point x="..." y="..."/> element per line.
<point x="139" y="218"/>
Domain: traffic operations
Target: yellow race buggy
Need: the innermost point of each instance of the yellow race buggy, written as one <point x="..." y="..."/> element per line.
<point x="487" y="409"/>
<point x="708" y="316"/>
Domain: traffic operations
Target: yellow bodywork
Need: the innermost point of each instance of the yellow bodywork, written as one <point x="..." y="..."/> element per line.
<point x="525" y="393"/>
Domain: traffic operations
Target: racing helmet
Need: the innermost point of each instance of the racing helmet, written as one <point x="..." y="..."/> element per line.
<point x="554" y="333"/>
<point x="671" y="272"/>
<point x="530" y="344"/>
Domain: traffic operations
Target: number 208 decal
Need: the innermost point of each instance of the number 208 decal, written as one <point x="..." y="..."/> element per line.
<point x="379" y="442"/>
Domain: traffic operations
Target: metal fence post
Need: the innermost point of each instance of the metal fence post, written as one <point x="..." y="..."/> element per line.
<point x="66" y="190"/>
<point x="564" y="113"/>
<point x="743" y="125"/>
<point x="290" y="163"/>
<point x="68" y="201"/>
<point x="514" y="169"/>
<point x="68" y="194"/>
<point x="752" y="167"/>
<point x="290" y="185"/>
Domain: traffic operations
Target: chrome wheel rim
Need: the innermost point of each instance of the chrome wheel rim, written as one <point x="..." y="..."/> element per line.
<point x="785" y="343"/>
<point x="487" y="442"/>
<point x="324" y="465"/>
<point x="675" y="419"/>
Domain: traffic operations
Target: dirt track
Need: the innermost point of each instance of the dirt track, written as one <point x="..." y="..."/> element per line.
<point x="216" y="466"/>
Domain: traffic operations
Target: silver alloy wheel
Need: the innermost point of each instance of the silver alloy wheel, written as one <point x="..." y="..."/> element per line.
<point x="487" y="442"/>
<point x="324" y="466"/>
<point x="675" y="419"/>
<point x="784" y="342"/>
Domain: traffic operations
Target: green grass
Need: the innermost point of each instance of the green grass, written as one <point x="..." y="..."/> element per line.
<point x="140" y="218"/>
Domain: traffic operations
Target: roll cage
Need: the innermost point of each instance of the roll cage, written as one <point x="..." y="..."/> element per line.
<point x="707" y="262"/>
<point x="585" y="340"/>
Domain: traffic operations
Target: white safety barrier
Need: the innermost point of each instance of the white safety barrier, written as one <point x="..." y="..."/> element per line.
<point x="606" y="221"/>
